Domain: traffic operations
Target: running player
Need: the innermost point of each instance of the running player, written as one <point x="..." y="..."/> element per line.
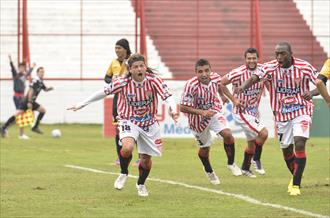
<point x="137" y="109"/>
<point x="200" y="100"/>
<point x="247" y="116"/>
<point x="289" y="78"/>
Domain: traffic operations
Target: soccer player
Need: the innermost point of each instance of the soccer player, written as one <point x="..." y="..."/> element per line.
<point x="200" y="100"/>
<point x="321" y="82"/>
<point x="137" y="109"/>
<point x="247" y="116"/>
<point x="118" y="68"/>
<point x="29" y="102"/>
<point x="289" y="78"/>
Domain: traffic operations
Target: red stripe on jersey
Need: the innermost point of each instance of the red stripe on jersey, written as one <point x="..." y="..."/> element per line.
<point x="287" y="86"/>
<point x="250" y="97"/>
<point x="200" y="96"/>
<point x="138" y="101"/>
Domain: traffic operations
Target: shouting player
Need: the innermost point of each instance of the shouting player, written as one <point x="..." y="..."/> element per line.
<point x="289" y="78"/>
<point x="137" y="109"/>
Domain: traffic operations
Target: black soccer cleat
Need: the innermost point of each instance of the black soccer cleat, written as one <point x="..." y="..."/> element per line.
<point x="37" y="130"/>
<point x="3" y="132"/>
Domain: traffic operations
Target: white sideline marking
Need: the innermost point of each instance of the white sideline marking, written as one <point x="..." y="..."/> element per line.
<point x="238" y="196"/>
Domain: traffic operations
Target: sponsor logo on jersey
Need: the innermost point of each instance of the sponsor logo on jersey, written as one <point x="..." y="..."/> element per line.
<point x="290" y="108"/>
<point x="206" y="106"/>
<point x="147" y="117"/>
<point x="251" y="92"/>
<point x="141" y="103"/>
<point x="290" y="91"/>
<point x="289" y="100"/>
<point x="131" y="95"/>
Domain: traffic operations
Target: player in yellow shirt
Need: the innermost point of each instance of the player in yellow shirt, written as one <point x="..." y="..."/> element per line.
<point x="118" y="68"/>
<point x="321" y="82"/>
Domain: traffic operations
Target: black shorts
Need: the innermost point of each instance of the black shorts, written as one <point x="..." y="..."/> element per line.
<point x="23" y="105"/>
<point x="114" y="108"/>
<point x="18" y="101"/>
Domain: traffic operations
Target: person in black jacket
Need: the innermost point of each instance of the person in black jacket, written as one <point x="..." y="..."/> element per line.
<point x="19" y="79"/>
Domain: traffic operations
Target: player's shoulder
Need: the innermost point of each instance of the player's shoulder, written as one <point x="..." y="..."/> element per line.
<point x="122" y="80"/>
<point x="303" y="65"/>
<point x="238" y="70"/>
<point x="153" y="77"/>
<point x="215" y="77"/>
<point x="270" y="66"/>
<point x="192" y="83"/>
<point x="35" y="80"/>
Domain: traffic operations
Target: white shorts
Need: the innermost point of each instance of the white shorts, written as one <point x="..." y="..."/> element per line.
<point x="250" y="125"/>
<point x="147" y="139"/>
<point x="217" y="123"/>
<point x="299" y="126"/>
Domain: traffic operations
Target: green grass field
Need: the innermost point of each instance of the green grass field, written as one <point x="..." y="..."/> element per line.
<point x="36" y="183"/>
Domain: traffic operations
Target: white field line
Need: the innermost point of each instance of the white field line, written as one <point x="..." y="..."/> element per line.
<point x="238" y="196"/>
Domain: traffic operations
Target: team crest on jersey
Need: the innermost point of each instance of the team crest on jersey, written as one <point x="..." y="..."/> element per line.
<point x="149" y="93"/>
<point x="131" y="95"/>
<point x="269" y="77"/>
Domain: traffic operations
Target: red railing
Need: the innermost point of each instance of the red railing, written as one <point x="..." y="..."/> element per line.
<point x="140" y="27"/>
<point x="255" y="31"/>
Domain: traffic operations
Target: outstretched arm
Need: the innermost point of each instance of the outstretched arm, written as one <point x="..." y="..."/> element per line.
<point x="98" y="95"/>
<point x="13" y="69"/>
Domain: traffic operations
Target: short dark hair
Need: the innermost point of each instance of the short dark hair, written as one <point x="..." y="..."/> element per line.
<point x="39" y="68"/>
<point x="285" y="44"/>
<point x="202" y="62"/>
<point x="252" y="51"/>
<point x="125" y="44"/>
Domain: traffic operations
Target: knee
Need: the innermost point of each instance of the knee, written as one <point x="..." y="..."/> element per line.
<point x="42" y="110"/>
<point x="145" y="161"/>
<point x="263" y="134"/>
<point x="203" y="152"/>
<point x="300" y="143"/>
<point x="226" y="135"/>
<point x="128" y="146"/>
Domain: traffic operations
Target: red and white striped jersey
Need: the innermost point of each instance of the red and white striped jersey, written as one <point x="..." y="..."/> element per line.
<point x="287" y="86"/>
<point x="201" y="96"/>
<point x="250" y="98"/>
<point x="138" y="101"/>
